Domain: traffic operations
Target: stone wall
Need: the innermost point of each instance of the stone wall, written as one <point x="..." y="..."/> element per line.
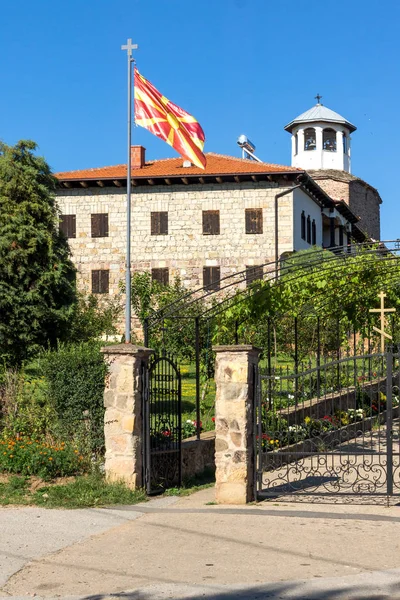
<point x="363" y="200"/>
<point x="198" y="455"/>
<point x="185" y="250"/>
<point x="123" y="423"/>
<point x="235" y="372"/>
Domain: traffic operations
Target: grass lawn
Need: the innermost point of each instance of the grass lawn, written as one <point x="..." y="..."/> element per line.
<point x="72" y="492"/>
<point x="207" y="405"/>
<point x="83" y="491"/>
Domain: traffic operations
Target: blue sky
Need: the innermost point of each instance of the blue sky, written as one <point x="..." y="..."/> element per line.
<point x="240" y="66"/>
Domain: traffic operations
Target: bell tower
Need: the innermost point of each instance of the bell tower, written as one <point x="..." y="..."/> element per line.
<point x="321" y="139"/>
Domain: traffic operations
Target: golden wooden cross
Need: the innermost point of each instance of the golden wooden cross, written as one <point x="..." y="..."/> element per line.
<point x="382" y="310"/>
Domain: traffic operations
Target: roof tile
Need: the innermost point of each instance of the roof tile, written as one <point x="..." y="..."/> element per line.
<point x="217" y="164"/>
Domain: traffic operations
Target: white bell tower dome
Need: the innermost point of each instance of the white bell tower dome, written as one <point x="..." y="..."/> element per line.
<point x="321" y="139"/>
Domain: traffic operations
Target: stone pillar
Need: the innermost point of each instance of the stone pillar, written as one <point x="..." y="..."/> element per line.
<point x="234" y="410"/>
<point x="123" y="427"/>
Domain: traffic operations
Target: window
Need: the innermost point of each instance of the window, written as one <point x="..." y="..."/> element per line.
<point x="341" y="237"/>
<point x="308" y="230"/>
<point x="296" y="143"/>
<point x="303" y="225"/>
<point x="309" y="139"/>
<point x="211" y="277"/>
<point x="159" y="223"/>
<point x="313" y="233"/>
<point x="160" y="275"/>
<point x="254" y="220"/>
<point x="210" y="222"/>
<point x="329" y="140"/>
<point x="100" y="281"/>
<point x="99" y="225"/>
<point x="253" y="273"/>
<point x="344" y="142"/>
<point x="68" y="225"/>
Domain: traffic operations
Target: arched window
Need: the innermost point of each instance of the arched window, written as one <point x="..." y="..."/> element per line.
<point x="344" y="142"/>
<point x="313" y="232"/>
<point x="303" y="225"/>
<point x="329" y="140"/>
<point x="296" y="143"/>
<point x="309" y="139"/>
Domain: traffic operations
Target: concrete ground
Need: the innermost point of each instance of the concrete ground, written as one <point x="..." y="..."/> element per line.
<point x="189" y="548"/>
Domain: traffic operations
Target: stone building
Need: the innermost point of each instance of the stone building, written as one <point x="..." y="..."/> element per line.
<point x="321" y="144"/>
<point x="198" y="225"/>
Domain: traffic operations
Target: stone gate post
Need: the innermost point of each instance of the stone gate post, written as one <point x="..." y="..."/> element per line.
<point x="123" y="427"/>
<point x="234" y="412"/>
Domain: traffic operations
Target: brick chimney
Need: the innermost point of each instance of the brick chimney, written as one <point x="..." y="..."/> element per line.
<point x="138" y="157"/>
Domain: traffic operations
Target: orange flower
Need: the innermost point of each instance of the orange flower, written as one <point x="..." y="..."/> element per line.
<point x="50" y="458"/>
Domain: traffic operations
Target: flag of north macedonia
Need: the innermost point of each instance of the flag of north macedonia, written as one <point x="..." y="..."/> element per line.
<point x="166" y="120"/>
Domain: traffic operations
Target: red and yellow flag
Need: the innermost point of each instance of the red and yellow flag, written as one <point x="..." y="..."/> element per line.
<point x="166" y="120"/>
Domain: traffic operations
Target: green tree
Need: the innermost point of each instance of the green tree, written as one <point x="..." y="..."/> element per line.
<point x="314" y="283"/>
<point x="37" y="278"/>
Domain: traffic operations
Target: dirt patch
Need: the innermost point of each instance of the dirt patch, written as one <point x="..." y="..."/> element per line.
<point x="36" y="483"/>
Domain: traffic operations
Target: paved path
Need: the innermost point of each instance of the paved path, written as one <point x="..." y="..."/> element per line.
<point x="187" y="548"/>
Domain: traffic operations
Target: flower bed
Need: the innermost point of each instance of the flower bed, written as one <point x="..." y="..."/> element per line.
<point x="25" y="456"/>
<point x="325" y="442"/>
<point x="279" y="432"/>
<point x="316" y="408"/>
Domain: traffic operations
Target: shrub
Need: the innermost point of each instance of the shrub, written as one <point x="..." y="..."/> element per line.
<point x="32" y="457"/>
<point x="92" y="318"/>
<point x="25" y="408"/>
<point x="75" y="376"/>
<point x="189" y="428"/>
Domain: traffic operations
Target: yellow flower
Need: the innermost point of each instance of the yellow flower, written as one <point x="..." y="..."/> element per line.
<point x="50" y="458"/>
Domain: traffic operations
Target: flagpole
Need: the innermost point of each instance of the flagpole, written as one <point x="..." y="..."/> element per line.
<point x="128" y="47"/>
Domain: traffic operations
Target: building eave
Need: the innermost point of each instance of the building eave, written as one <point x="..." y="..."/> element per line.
<point x="181" y="180"/>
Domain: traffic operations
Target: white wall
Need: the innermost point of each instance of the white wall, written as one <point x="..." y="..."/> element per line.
<point x="303" y="202"/>
<point x="319" y="158"/>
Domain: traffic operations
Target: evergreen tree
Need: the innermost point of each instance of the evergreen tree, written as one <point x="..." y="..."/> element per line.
<point x="37" y="278"/>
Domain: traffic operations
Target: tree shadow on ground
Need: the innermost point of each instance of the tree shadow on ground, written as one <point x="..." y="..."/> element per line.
<point x="308" y="590"/>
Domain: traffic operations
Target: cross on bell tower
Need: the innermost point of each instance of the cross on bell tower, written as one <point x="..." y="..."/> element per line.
<point x="321" y="139"/>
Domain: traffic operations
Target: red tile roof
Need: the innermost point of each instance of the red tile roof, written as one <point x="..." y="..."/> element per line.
<point x="217" y="164"/>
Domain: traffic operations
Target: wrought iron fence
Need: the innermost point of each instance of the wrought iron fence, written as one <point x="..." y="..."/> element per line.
<point x="329" y="429"/>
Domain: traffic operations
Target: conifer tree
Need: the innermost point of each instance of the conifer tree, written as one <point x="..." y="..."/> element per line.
<point x="37" y="277"/>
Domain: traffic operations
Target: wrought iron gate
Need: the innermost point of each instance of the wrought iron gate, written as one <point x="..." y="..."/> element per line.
<point x="330" y="428"/>
<point x="162" y="423"/>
